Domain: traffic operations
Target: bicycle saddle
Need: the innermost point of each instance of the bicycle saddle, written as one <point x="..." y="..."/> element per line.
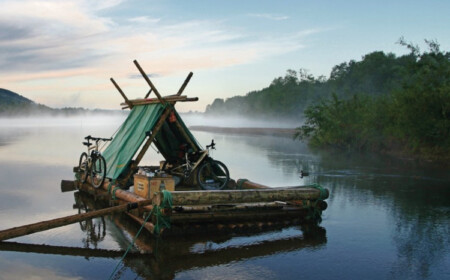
<point x="87" y="144"/>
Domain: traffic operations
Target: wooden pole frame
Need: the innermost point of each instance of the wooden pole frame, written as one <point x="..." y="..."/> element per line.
<point x="122" y="93"/>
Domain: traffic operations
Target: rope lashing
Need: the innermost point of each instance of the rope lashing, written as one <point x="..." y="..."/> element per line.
<point x="323" y="192"/>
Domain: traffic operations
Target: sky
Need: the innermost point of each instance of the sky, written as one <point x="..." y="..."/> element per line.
<point x="63" y="53"/>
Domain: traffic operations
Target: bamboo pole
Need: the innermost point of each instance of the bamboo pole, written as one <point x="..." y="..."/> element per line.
<point x="242" y="196"/>
<point x="122" y="93"/>
<point x="49" y="224"/>
<point x="148" y="93"/>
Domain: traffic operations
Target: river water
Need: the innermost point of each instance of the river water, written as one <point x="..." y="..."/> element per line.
<point x="386" y="219"/>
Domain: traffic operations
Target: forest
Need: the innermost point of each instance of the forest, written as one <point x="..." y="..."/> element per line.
<point x="384" y="103"/>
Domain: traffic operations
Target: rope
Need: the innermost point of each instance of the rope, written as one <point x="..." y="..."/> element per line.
<point x="323" y="192"/>
<point x="160" y="218"/>
<point x="131" y="245"/>
<point x="240" y="182"/>
<point x="162" y="221"/>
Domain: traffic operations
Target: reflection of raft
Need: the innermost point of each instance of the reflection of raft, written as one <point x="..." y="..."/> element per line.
<point x="181" y="209"/>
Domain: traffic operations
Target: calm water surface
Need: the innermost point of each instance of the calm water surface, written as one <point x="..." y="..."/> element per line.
<point x="387" y="218"/>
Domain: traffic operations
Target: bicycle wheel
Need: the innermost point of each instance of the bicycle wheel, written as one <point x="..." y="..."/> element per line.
<point x="98" y="171"/>
<point x="83" y="167"/>
<point x="213" y="175"/>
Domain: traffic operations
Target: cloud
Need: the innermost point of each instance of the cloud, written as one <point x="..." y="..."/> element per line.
<point x="75" y="39"/>
<point x="270" y="16"/>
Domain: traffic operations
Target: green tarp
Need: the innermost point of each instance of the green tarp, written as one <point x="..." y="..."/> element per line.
<point x="133" y="132"/>
<point x="129" y="138"/>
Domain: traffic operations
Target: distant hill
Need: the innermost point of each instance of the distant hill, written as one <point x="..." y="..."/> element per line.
<point x="14" y="105"/>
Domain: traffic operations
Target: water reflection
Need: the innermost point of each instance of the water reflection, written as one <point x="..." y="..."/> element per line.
<point x="386" y="218"/>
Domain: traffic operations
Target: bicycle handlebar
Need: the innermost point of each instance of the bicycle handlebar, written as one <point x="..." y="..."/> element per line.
<point x="89" y="137"/>
<point x="212" y="145"/>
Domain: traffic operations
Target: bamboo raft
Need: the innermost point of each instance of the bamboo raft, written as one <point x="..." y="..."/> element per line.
<point x="185" y="209"/>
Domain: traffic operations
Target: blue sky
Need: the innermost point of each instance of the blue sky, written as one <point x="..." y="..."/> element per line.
<point x="62" y="53"/>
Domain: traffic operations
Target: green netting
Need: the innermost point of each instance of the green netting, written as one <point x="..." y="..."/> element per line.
<point x="129" y="138"/>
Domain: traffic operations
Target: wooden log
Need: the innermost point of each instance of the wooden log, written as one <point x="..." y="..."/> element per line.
<point x="147" y="225"/>
<point x="237" y="216"/>
<point x="154" y="101"/>
<point x="242" y="196"/>
<point x="228" y="207"/>
<point x="122" y="93"/>
<point x="183" y="86"/>
<point x="123" y="195"/>
<point x="45" y="225"/>
<point x="147" y="79"/>
<point x="68" y="185"/>
<point x="246" y="184"/>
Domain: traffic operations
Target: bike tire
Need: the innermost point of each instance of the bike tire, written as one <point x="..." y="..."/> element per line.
<point x="98" y="171"/>
<point x="83" y="167"/>
<point x="213" y="175"/>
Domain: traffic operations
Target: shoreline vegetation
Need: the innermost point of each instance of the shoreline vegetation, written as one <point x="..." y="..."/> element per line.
<point x="383" y="103"/>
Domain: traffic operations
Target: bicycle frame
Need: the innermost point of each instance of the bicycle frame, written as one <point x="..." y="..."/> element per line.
<point x="187" y="168"/>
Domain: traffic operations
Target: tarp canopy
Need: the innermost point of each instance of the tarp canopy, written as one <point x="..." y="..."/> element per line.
<point x="130" y="136"/>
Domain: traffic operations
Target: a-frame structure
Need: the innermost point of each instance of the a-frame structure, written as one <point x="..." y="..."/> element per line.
<point x="151" y="120"/>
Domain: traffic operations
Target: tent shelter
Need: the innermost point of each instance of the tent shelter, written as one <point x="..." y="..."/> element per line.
<point x="151" y="120"/>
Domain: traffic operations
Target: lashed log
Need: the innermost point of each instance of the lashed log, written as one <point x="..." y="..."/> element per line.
<point x="237" y="216"/>
<point x="242" y="196"/>
<point x="45" y="225"/>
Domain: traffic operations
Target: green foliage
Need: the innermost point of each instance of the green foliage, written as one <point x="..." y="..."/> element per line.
<point x="412" y="116"/>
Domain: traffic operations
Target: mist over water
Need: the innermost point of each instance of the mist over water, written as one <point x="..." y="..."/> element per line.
<point x="387" y="218"/>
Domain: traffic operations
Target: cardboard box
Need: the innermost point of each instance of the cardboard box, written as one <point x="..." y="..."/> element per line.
<point x="146" y="187"/>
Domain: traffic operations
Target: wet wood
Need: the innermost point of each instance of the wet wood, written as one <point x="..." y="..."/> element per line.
<point x="229" y="207"/>
<point x="237" y="216"/>
<point x="49" y="224"/>
<point x="68" y="185"/>
<point x="147" y="225"/>
<point x="241" y="196"/>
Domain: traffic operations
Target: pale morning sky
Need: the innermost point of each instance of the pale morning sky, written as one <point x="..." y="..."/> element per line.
<point x="62" y="53"/>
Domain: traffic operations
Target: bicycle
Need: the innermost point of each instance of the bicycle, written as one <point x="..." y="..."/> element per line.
<point x="211" y="174"/>
<point x="93" y="163"/>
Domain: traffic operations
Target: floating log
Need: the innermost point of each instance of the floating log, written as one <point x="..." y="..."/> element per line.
<point x="45" y="225"/>
<point x="243" y="196"/>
